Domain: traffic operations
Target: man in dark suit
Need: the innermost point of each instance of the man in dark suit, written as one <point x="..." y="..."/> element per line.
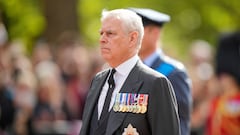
<point x="143" y="101"/>
<point x="153" y="57"/>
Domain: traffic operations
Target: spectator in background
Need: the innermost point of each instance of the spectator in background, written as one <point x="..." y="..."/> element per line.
<point x="41" y="52"/>
<point x="154" y="57"/>
<point x="200" y="69"/>
<point x="7" y="108"/>
<point x="224" y="116"/>
<point x="24" y="96"/>
<point x="50" y="114"/>
<point x="34" y="99"/>
<point x="74" y="62"/>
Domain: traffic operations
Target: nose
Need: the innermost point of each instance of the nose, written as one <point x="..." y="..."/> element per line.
<point x="102" y="39"/>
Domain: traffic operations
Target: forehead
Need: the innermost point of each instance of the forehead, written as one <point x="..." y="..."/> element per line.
<point x="111" y="24"/>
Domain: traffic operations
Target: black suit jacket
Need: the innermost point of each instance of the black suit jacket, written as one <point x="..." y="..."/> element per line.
<point x="161" y="117"/>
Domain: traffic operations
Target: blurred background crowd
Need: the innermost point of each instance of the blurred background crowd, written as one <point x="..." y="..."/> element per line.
<point x="45" y="93"/>
<point x="45" y="75"/>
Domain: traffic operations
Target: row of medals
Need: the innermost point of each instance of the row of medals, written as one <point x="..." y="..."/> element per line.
<point x="130" y="102"/>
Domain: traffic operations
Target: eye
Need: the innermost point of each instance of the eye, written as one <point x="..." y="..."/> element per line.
<point x="107" y="33"/>
<point x="110" y="33"/>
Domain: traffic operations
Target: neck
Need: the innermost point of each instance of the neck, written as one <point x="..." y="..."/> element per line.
<point x="143" y="54"/>
<point x="116" y="63"/>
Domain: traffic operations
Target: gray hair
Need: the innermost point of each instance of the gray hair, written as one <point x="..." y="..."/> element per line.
<point x="130" y="20"/>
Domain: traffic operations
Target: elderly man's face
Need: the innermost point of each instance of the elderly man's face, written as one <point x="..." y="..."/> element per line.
<point x="114" y="41"/>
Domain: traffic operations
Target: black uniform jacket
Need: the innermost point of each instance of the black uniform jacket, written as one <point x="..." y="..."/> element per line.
<point x="161" y="117"/>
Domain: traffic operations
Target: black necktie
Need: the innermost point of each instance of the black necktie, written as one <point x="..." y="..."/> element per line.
<point x="111" y="87"/>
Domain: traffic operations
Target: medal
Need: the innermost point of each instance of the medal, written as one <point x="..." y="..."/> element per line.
<point x="140" y="102"/>
<point x="116" y="107"/>
<point x="143" y="109"/>
<point x="138" y="108"/>
<point x="131" y="102"/>
<point x="116" y="104"/>
<point x="134" y="108"/>
<point x="145" y="102"/>
<point x="126" y="102"/>
<point x="135" y="103"/>
<point x="124" y="108"/>
<point x="121" y="103"/>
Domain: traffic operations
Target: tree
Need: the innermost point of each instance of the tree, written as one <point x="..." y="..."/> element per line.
<point x="61" y="16"/>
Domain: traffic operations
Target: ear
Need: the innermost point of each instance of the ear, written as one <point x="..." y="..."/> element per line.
<point x="133" y="38"/>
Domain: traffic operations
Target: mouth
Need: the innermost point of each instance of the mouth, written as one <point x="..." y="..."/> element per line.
<point x="105" y="49"/>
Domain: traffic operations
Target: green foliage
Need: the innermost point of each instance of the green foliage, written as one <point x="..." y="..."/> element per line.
<point x="190" y="20"/>
<point x="24" y="20"/>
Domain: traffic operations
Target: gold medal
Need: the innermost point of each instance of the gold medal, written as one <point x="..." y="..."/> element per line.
<point x="116" y="107"/>
<point x="143" y="109"/>
<point x="134" y="108"/>
<point x="116" y="104"/>
<point x="124" y="108"/>
<point x="127" y="102"/>
<point x="122" y="98"/>
<point x="120" y="108"/>
<point x="145" y="102"/>
<point x="131" y="102"/>
<point x="127" y="108"/>
<point x="138" y="109"/>
<point x="130" y="108"/>
<point x="135" y="103"/>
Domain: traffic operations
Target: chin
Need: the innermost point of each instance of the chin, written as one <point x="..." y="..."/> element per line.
<point x="106" y="57"/>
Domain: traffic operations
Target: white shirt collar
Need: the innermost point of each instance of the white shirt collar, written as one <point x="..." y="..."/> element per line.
<point x="126" y="67"/>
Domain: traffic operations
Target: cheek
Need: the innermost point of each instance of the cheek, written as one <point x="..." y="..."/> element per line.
<point x="117" y="50"/>
<point x="118" y="45"/>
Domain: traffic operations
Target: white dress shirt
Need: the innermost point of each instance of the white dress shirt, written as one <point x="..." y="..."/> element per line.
<point x="122" y="72"/>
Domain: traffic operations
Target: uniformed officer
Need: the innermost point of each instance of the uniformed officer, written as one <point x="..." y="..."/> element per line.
<point x="154" y="57"/>
<point x="224" y="116"/>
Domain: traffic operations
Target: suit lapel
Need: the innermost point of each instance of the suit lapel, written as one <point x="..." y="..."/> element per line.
<point x="131" y="85"/>
<point x="93" y="95"/>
